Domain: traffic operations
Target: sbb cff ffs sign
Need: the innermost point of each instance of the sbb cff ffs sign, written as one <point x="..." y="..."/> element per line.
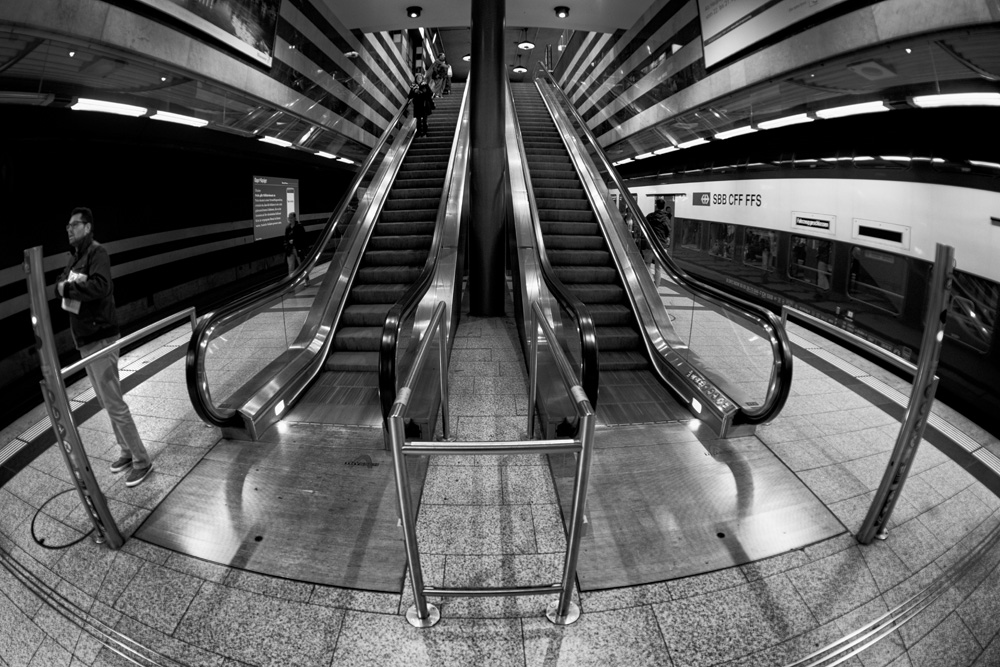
<point x="723" y="199"/>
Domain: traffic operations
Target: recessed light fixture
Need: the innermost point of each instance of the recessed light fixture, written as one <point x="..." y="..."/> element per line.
<point x="736" y="132"/>
<point x="345" y="160"/>
<point x="72" y="53"/>
<point x="179" y="119"/>
<point x="852" y="110"/>
<point x="328" y="156"/>
<point x="957" y="100"/>
<point x="519" y="69"/>
<point x="668" y="149"/>
<point x="163" y="79"/>
<point x="276" y="141"/>
<point x="413" y="12"/>
<point x="693" y="142"/>
<point x="787" y="120"/>
<point x="644" y="156"/>
<point x="562" y="12"/>
<point x="84" y="104"/>
<point x="467" y="57"/>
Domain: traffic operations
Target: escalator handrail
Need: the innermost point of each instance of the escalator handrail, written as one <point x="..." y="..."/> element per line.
<point x="780" y="382"/>
<point x="412" y="297"/>
<point x="230" y="314"/>
<point x="590" y="364"/>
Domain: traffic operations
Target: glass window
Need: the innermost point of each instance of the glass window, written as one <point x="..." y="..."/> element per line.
<point x="877" y="278"/>
<point x="810" y="261"/>
<point x="972" y="317"/>
<point x="721" y="239"/>
<point x="758" y="248"/>
<point x="690" y="234"/>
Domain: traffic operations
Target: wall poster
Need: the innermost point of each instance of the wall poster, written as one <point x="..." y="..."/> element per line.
<point x="273" y="200"/>
<point x="245" y="25"/>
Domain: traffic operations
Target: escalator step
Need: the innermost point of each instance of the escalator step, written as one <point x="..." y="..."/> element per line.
<point x="617" y="339"/>
<point x="610" y="314"/>
<point x="352" y="361"/>
<point x="358" y="339"/>
<point x="394" y="227"/>
<point x="394" y="258"/>
<point x="597" y="293"/>
<point x="375" y="293"/>
<point x="365" y="314"/>
<point x="401" y="242"/>
<point x="387" y="275"/>
<point x="622" y="361"/>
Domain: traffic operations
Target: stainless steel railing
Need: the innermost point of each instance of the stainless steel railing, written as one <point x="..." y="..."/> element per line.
<point x="563" y="611"/>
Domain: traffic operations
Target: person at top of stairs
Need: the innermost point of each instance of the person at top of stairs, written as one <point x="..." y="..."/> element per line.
<point x="420" y="93"/>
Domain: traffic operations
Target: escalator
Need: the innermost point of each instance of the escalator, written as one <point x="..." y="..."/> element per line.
<point x="581" y="258"/>
<point x="347" y="391"/>
<point x="311" y="349"/>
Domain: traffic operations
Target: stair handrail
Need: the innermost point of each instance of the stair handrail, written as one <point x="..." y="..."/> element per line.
<point x="780" y="382"/>
<point x="231" y="314"/>
<point x="449" y="208"/>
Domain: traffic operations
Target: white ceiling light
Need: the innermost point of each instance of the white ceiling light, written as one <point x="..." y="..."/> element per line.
<point x="787" y="120"/>
<point x="467" y="57"/>
<point x="179" y="119"/>
<point x="644" y="156"/>
<point x="980" y="163"/>
<point x="328" y="156"/>
<point x="345" y="160"/>
<point x="276" y="141"/>
<point x="736" y="132"/>
<point x="896" y="158"/>
<point x="693" y="142"/>
<point x="957" y="100"/>
<point x="668" y="149"/>
<point x="853" y="110"/>
<point x="84" y="104"/>
<point x="525" y="44"/>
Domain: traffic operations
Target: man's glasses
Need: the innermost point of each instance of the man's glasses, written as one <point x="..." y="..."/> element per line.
<point x="75" y="223"/>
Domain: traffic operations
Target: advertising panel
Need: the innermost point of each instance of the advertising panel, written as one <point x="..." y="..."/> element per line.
<point x="245" y="25"/>
<point x="273" y="200"/>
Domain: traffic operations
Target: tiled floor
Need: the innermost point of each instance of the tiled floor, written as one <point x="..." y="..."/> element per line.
<point x="495" y="521"/>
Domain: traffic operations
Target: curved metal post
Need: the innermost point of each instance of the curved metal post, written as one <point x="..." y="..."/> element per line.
<point x="921" y="399"/>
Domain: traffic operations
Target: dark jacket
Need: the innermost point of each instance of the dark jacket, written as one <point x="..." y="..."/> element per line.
<point x="422" y="102"/>
<point x="98" y="318"/>
<point x="659" y="220"/>
<point x="295" y="239"/>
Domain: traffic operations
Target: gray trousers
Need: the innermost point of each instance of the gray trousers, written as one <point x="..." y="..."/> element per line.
<point x="103" y="375"/>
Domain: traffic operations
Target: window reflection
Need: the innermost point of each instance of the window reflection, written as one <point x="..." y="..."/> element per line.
<point x="878" y="279"/>
<point x="721" y="239"/>
<point x="972" y="316"/>
<point x="810" y="261"/>
<point x="759" y="246"/>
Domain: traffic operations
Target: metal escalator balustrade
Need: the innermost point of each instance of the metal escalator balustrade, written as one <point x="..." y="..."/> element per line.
<point x="248" y="363"/>
<point x="750" y="325"/>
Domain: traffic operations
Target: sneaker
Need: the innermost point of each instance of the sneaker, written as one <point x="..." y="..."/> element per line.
<point x="136" y="476"/>
<point x="121" y="464"/>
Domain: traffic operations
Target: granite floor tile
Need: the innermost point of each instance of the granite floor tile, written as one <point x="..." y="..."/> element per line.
<point x="158" y="648"/>
<point x="624" y="598"/>
<point x="346" y="598"/>
<point x="769" y="567"/>
<point x="706" y="583"/>
<point x="475" y="529"/>
<point x="382" y="641"/>
<point x="20" y="641"/>
<point x="527" y="485"/>
<point x="932" y="614"/>
<point x="158" y="596"/>
<point x="882" y="651"/>
<point x="259" y="629"/>
<point x="832" y="483"/>
<point x="834" y="585"/>
<point x="887" y="569"/>
<point x="462" y="485"/>
<point x="794" y="649"/>
<point x="948" y="479"/>
<point x="490" y="429"/>
<point x="952" y="519"/>
<point x="915" y="544"/>
<point x="920" y="494"/>
<point x="734" y="622"/>
<point x="618" y="637"/>
<point x="196" y="567"/>
<point x="286" y="589"/>
<point x="979" y="610"/>
<point x="949" y="643"/>
<point x="550" y="534"/>
<point x="51" y="654"/>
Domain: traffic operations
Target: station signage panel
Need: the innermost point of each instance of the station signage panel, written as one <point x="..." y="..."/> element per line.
<point x="273" y="199"/>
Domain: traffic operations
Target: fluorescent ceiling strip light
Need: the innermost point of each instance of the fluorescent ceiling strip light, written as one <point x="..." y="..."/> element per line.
<point x="957" y="100"/>
<point x="179" y="119"/>
<point x="276" y="141"/>
<point x="668" y="149"/>
<point x="787" y="120"/>
<point x="863" y="158"/>
<point x="897" y="158"/>
<point x="852" y="110"/>
<point x="735" y="133"/>
<point x="328" y="156"/>
<point x="345" y="160"/>
<point x="84" y="104"/>
<point x="644" y="156"/>
<point x="693" y="142"/>
<point x="980" y="163"/>
<point x="808" y="161"/>
<point x="625" y="161"/>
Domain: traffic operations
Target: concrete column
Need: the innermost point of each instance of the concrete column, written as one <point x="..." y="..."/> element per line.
<point x="487" y="280"/>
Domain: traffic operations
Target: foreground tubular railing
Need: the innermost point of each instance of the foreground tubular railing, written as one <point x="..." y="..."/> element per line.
<point x="563" y="611"/>
<point x="779" y="383"/>
<point x="214" y="326"/>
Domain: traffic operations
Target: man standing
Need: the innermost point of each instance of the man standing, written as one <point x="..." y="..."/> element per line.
<point x="294" y="242"/>
<point x="660" y="220"/>
<point x="88" y="296"/>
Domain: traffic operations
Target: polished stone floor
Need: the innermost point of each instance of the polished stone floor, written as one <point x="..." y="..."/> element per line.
<point x="496" y="521"/>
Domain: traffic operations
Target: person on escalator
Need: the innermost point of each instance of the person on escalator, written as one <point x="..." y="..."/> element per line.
<point x="660" y="220"/>
<point x="420" y="94"/>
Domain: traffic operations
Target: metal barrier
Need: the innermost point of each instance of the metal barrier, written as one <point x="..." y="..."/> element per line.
<point x="561" y="612"/>
<point x="57" y="403"/>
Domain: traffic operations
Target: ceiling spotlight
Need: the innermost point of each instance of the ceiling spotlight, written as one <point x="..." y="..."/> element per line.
<point x="467" y="57"/>
<point x="72" y="53"/>
<point x="562" y="12"/>
<point x="413" y="12"/>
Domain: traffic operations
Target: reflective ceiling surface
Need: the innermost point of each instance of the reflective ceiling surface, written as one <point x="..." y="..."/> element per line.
<point x="38" y="69"/>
